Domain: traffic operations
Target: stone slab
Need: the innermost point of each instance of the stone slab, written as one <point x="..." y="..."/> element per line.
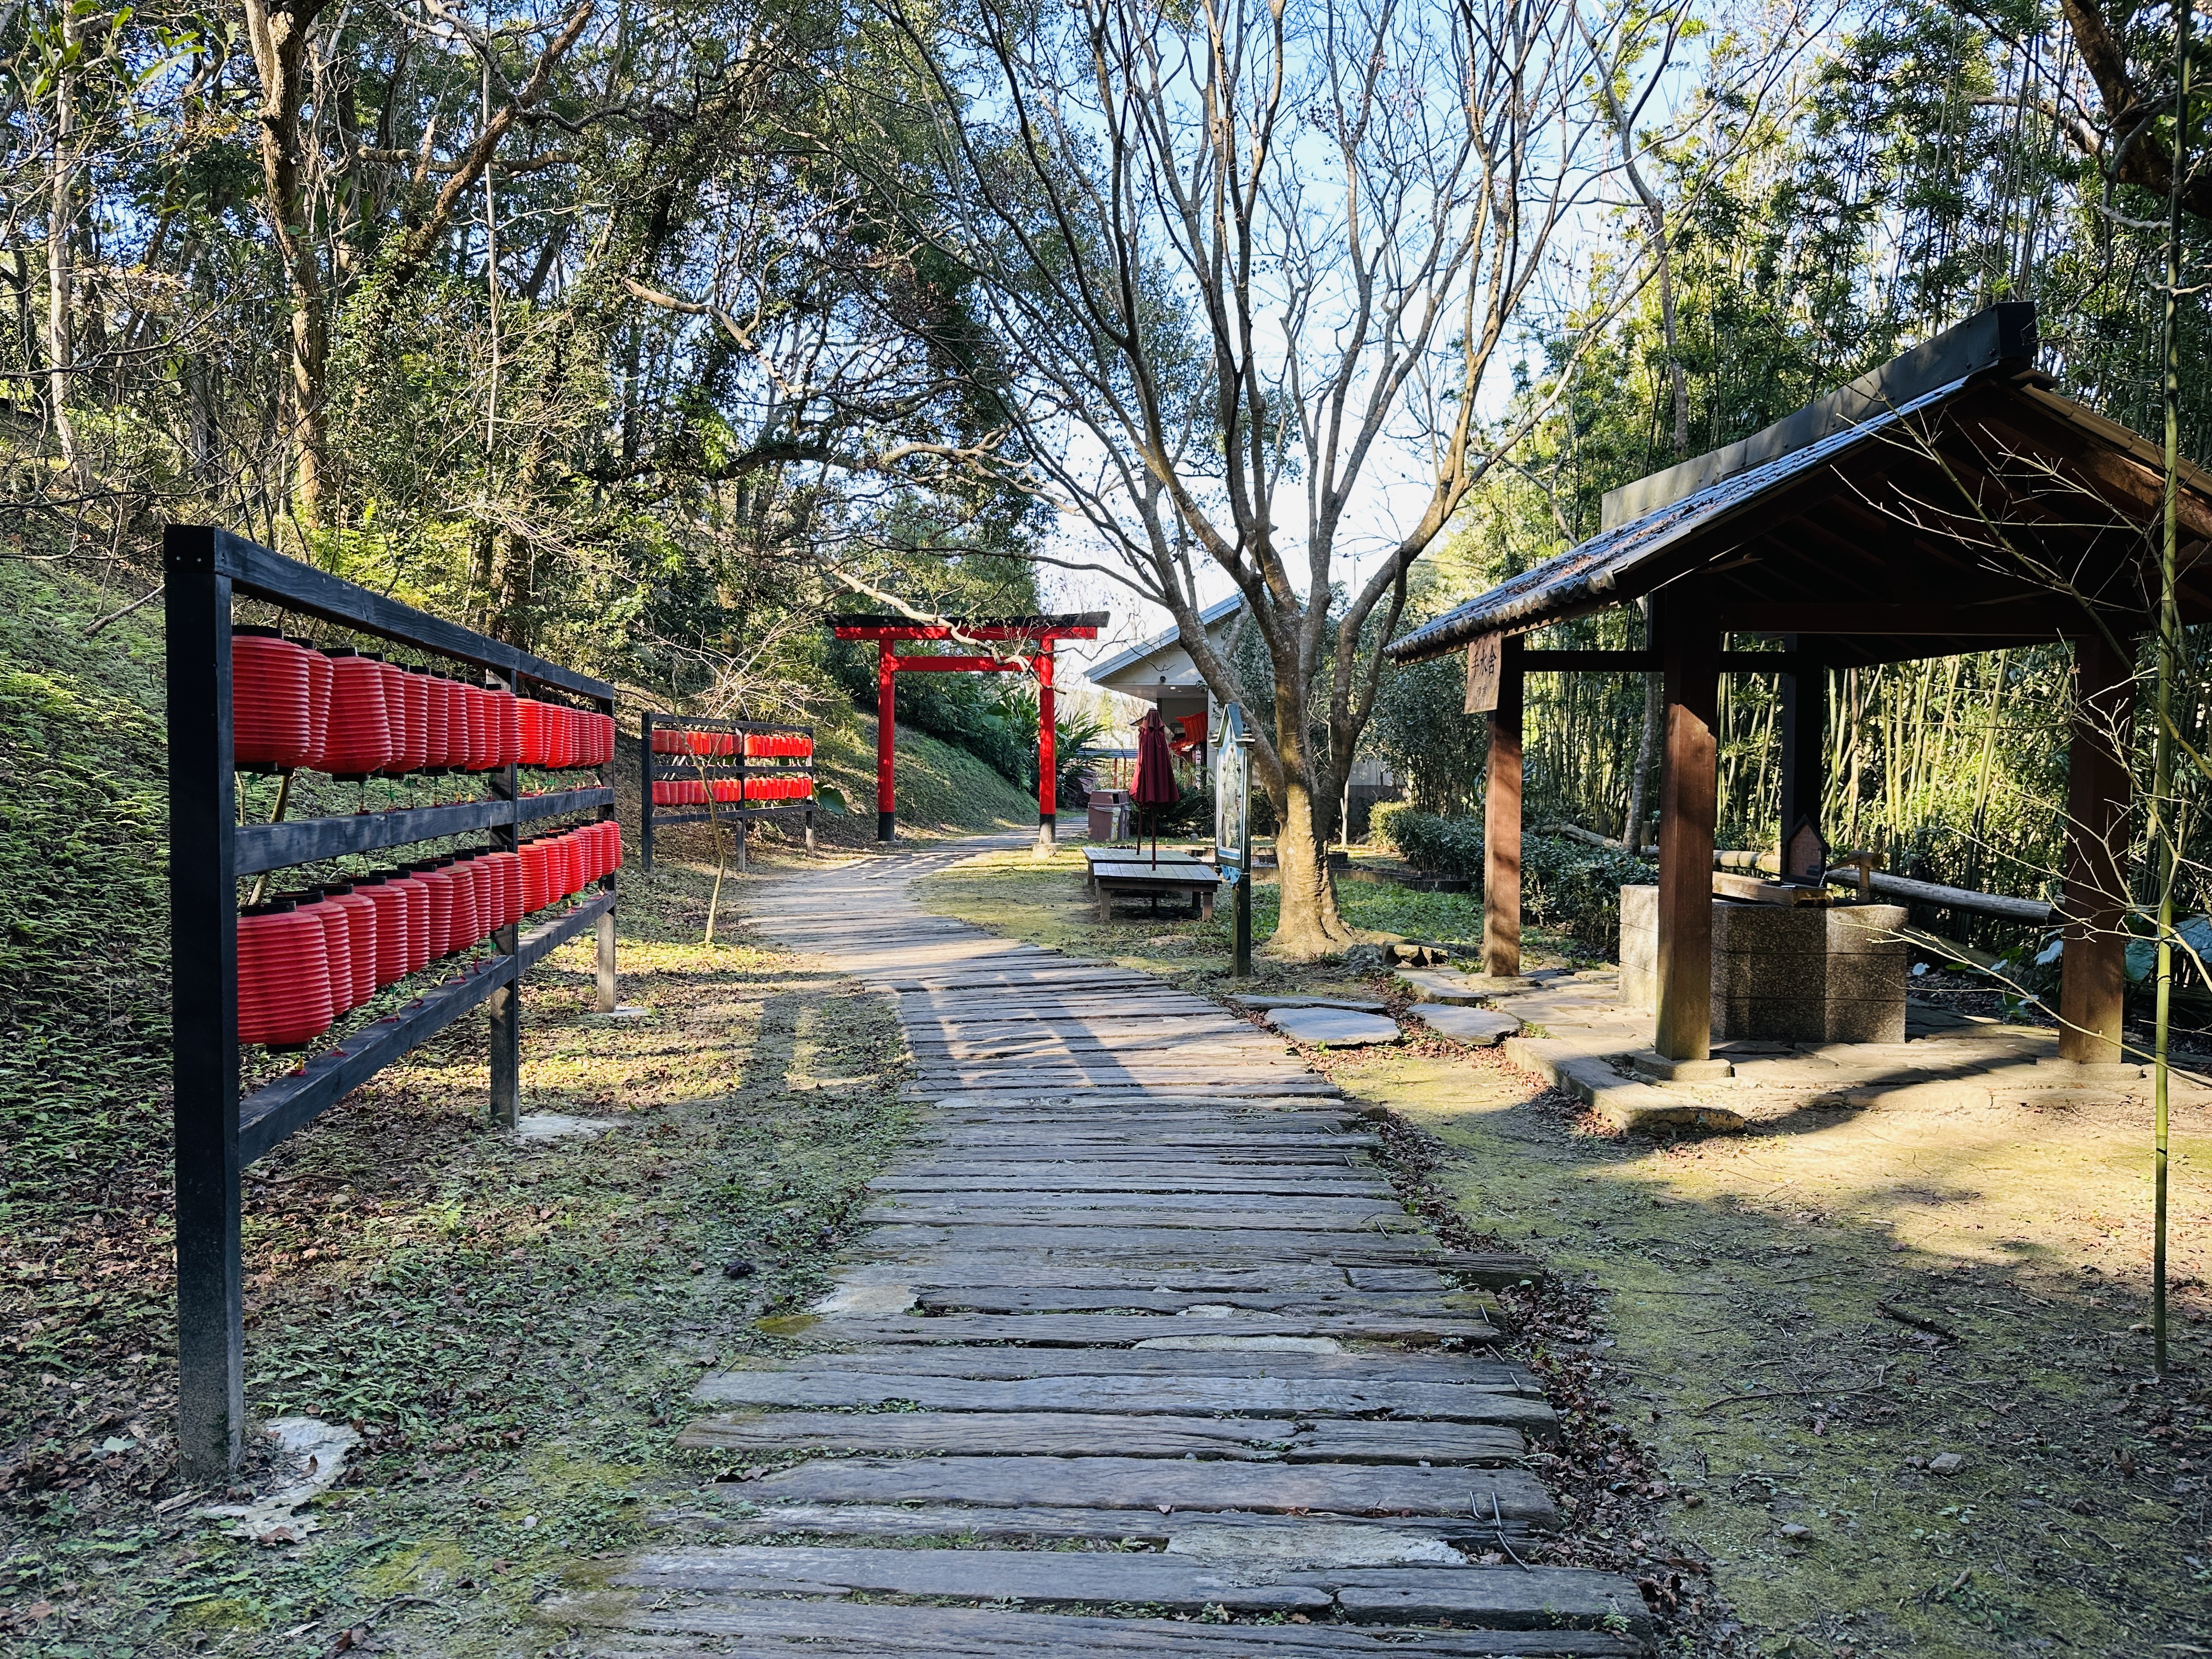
<point x="1482" y="1027"/>
<point x="2075" y="1071"/>
<point x="1335" y="1027"/>
<point x="1638" y="1108"/>
<point x="1436" y="985"/>
<point x="1350" y="1004"/>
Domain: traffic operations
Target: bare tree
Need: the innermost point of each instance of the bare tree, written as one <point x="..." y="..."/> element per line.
<point x="1253" y="263"/>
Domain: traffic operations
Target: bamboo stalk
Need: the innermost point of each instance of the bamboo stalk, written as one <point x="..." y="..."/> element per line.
<point x="2166" y="828"/>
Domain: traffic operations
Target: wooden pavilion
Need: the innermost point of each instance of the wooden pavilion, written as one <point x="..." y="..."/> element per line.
<point x="1949" y="502"/>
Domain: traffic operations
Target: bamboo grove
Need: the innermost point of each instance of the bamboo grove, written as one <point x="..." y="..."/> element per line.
<point x="1916" y="173"/>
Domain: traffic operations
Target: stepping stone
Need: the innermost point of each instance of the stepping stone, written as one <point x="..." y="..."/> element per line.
<point x="1338" y="1028"/>
<point x="1351" y="1005"/>
<point x="532" y="1127"/>
<point x="1482" y="1027"/>
<point x="1434" y="985"/>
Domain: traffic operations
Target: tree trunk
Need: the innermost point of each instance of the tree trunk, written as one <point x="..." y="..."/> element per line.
<point x="61" y="220"/>
<point x="280" y="35"/>
<point x="1309" y="924"/>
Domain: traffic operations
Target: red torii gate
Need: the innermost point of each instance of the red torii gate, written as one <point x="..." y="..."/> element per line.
<point x="1038" y="631"/>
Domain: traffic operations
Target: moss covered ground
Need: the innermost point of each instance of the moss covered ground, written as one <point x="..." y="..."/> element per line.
<point x="514" y="1328"/>
<point x="1761" y="1343"/>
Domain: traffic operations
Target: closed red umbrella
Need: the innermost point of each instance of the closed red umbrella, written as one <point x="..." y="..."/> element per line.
<point x="1156" y="785"/>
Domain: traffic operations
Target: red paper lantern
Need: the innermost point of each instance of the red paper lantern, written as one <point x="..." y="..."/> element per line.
<point x="318" y="704"/>
<point x="456" y="728"/>
<point x="441" y="884"/>
<point x="284" y="976"/>
<point x="489" y="904"/>
<point x="417" y="689"/>
<point x="437" y="714"/>
<point x="395" y="715"/>
<point x="382" y="890"/>
<point x="337" y="946"/>
<point x="537" y="888"/>
<point x="269" y="713"/>
<point x="509" y="868"/>
<point x="530" y="720"/>
<point x="360" y="935"/>
<point x="465" y="932"/>
<point x="358" y="738"/>
<point x="417" y="894"/>
<point x="507" y="728"/>
<point x="477" y="743"/>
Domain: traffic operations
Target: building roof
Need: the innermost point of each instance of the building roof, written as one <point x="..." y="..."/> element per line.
<point x="1954" y="478"/>
<point x="1132" y="655"/>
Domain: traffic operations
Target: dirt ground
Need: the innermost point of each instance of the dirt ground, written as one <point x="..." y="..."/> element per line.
<point x="1794" y="1330"/>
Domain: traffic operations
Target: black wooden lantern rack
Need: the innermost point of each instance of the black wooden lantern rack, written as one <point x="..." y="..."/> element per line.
<point x="666" y="766"/>
<point x="210" y="853"/>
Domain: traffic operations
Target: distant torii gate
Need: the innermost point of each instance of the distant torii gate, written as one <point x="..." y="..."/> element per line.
<point x="1037" y="631"/>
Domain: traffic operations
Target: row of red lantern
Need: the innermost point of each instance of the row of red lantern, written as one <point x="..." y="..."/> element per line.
<point x="307" y="959"/>
<point x="697" y="792"/>
<point x="351" y="713"/>
<point x="758" y="745"/>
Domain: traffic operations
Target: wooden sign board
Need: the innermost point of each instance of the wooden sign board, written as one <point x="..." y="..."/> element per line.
<point x="1485" y="665"/>
<point x="1805" y="854"/>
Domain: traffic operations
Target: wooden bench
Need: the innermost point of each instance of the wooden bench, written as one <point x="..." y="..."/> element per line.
<point x="1095" y="856"/>
<point x="1136" y="878"/>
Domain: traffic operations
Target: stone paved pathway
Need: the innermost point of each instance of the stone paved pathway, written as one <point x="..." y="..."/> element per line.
<point x="1138" y="1354"/>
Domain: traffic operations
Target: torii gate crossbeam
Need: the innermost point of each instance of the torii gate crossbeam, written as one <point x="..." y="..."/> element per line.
<point x="1036" y="633"/>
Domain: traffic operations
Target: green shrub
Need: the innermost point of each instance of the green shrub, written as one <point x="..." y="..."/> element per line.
<point x="1568" y="886"/>
<point x="1378" y="821"/>
<point x="1574" y="888"/>
<point x="1437" y="846"/>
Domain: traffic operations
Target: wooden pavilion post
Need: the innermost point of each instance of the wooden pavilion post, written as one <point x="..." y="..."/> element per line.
<point x="1494" y="688"/>
<point x="2092" y="982"/>
<point x="1689" y="659"/>
<point x="887" y="735"/>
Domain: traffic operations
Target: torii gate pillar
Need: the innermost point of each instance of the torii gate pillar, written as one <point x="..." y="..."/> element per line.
<point x="886" y="737"/>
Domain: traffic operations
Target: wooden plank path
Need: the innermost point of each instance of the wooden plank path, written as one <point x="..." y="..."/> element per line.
<point x="1138" y="1353"/>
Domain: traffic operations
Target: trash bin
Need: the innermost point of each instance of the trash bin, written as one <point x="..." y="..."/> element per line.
<point x="1110" y="814"/>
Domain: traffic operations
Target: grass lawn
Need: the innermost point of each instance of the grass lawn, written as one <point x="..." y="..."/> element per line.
<point x="1043" y="900"/>
<point x="1728" y="1331"/>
